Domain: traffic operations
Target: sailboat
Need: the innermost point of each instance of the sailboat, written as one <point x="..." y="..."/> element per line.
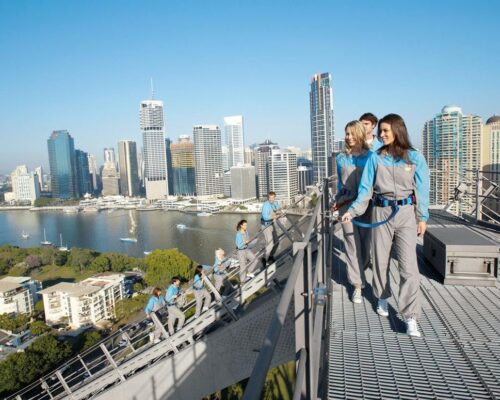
<point x="62" y="248"/>
<point x="25" y="235"/>
<point x="45" y="242"/>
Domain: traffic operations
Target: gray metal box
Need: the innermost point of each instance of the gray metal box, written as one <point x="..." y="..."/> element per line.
<point x="462" y="256"/>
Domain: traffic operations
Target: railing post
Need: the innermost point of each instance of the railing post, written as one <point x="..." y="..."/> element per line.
<point x="478" y="204"/>
<point x="84" y="365"/>
<point x="164" y="332"/>
<point x="112" y="362"/>
<point x="302" y="311"/>
<point x="218" y="297"/>
<point x="64" y="384"/>
<point x="45" y="387"/>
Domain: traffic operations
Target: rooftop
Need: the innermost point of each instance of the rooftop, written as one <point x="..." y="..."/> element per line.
<point x="72" y="289"/>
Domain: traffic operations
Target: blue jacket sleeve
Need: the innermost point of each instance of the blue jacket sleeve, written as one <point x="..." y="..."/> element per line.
<point x="422" y="187"/>
<point x="365" y="189"/>
<point x="150" y="305"/>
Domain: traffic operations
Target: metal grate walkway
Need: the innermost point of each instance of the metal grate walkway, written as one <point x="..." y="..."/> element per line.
<point x="371" y="357"/>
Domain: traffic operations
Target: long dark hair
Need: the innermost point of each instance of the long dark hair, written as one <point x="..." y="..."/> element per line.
<point x="243" y="221"/>
<point x="399" y="148"/>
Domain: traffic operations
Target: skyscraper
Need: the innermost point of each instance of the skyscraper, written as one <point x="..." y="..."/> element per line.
<point x="154" y="153"/>
<point x="129" y="173"/>
<point x="25" y="185"/>
<point x="452" y="147"/>
<point x="490" y="165"/>
<point x="168" y="157"/>
<point x="39" y="176"/>
<point x="208" y="160"/>
<point x="94" y="173"/>
<point x="110" y="179"/>
<point x="183" y="166"/>
<point x="62" y="165"/>
<point x="262" y="161"/>
<point x="322" y="133"/>
<point x="225" y="157"/>
<point x="243" y="182"/>
<point x="283" y="175"/>
<point x="233" y="128"/>
<point x="83" y="178"/>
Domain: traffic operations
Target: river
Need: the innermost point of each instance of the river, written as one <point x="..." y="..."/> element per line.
<point x="102" y="231"/>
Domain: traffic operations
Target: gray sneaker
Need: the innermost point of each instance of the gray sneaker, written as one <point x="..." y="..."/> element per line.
<point x="383" y="308"/>
<point x="356" y="296"/>
<point x="412" y="327"/>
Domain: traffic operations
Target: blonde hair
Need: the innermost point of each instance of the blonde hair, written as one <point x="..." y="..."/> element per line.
<point x="358" y="131"/>
<point x="219" y="251"/>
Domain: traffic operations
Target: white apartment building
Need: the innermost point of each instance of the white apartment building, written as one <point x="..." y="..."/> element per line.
<point x="208" y="160"/>
<point x="283" y="175"/>
<point x="18" y="294"/>
<point x="84" y="303"/>
<point x="25" y="184"/>
<point x="233" y="128"/>
<point x="154" y="151"/>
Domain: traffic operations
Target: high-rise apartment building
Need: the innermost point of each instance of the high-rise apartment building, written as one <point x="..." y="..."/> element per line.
<point x="154" y="152"/>
<point x="183" y="168"/>
<point x="110" y="179"/>
<point x="283" y="175"/>
<point x="249" y="156"/>
<point x="262" y="161"/>
<point x="233" y="128"/>
<point x="452" y="148"/>
<point x="18" y="294"/>
<point x="225" y="157"/>
<point x="208" y="160"/>
<point x="168" y="158"/>
<point x="83" y="178"/>
<point x="61" y="148"/>
<point x="322" y="132"/>
<point x="129" y="173"/>
<point x="25" y="186"/>
<point x="243" y="182"/>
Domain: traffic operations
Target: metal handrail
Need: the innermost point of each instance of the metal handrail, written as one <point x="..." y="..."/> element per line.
<point x="263" y="362"/>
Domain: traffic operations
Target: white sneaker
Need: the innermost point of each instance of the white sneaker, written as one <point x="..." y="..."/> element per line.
<point x="412" y="327"/>
<point x="383" y="308"/>
<point x="205" y="309"/>
<point x="356" y="296"/>
<point x="251" y="276"/>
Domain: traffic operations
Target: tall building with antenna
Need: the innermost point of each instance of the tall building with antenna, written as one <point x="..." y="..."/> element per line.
<point x="154" y="154"/>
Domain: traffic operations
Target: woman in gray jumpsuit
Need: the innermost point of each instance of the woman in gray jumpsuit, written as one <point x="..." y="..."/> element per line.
<point x="397" y="177"/>
<point x="350" y="164"/>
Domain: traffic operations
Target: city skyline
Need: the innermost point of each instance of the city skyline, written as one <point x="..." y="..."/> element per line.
<point x="91" y="86"/>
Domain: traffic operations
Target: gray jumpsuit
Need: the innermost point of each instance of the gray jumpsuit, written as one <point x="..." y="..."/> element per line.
<point x="396" y="179"/>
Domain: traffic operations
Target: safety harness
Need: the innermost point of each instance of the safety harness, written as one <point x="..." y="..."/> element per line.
<point x="381" y="201"/>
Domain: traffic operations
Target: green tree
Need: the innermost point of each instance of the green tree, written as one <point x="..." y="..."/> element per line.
<point x="21" y="321"/>
<point x="39" y="328"/>
<point x="7" y="323"/>
<point x="119" y="262"/>
<point x="39" y="308"/>
<point x="138" y="286"/>
<point x="90" y="338"/>
<point x="100" y="264"/>
<point x="81" y="258"/>
<point x="162" y="265"/>
<point x="43" y="201"/>
<point x="60" y="258"/>
<point x="50" y="351"/>
<point x="47" y="255"/>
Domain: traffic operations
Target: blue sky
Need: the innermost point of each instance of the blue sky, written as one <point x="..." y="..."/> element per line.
<point x="85" y="66"/>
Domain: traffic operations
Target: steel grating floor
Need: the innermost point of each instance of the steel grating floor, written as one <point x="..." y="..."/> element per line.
<point x="458" y="355"/>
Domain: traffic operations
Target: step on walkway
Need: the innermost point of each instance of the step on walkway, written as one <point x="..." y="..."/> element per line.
<point x="371" y="357"/>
